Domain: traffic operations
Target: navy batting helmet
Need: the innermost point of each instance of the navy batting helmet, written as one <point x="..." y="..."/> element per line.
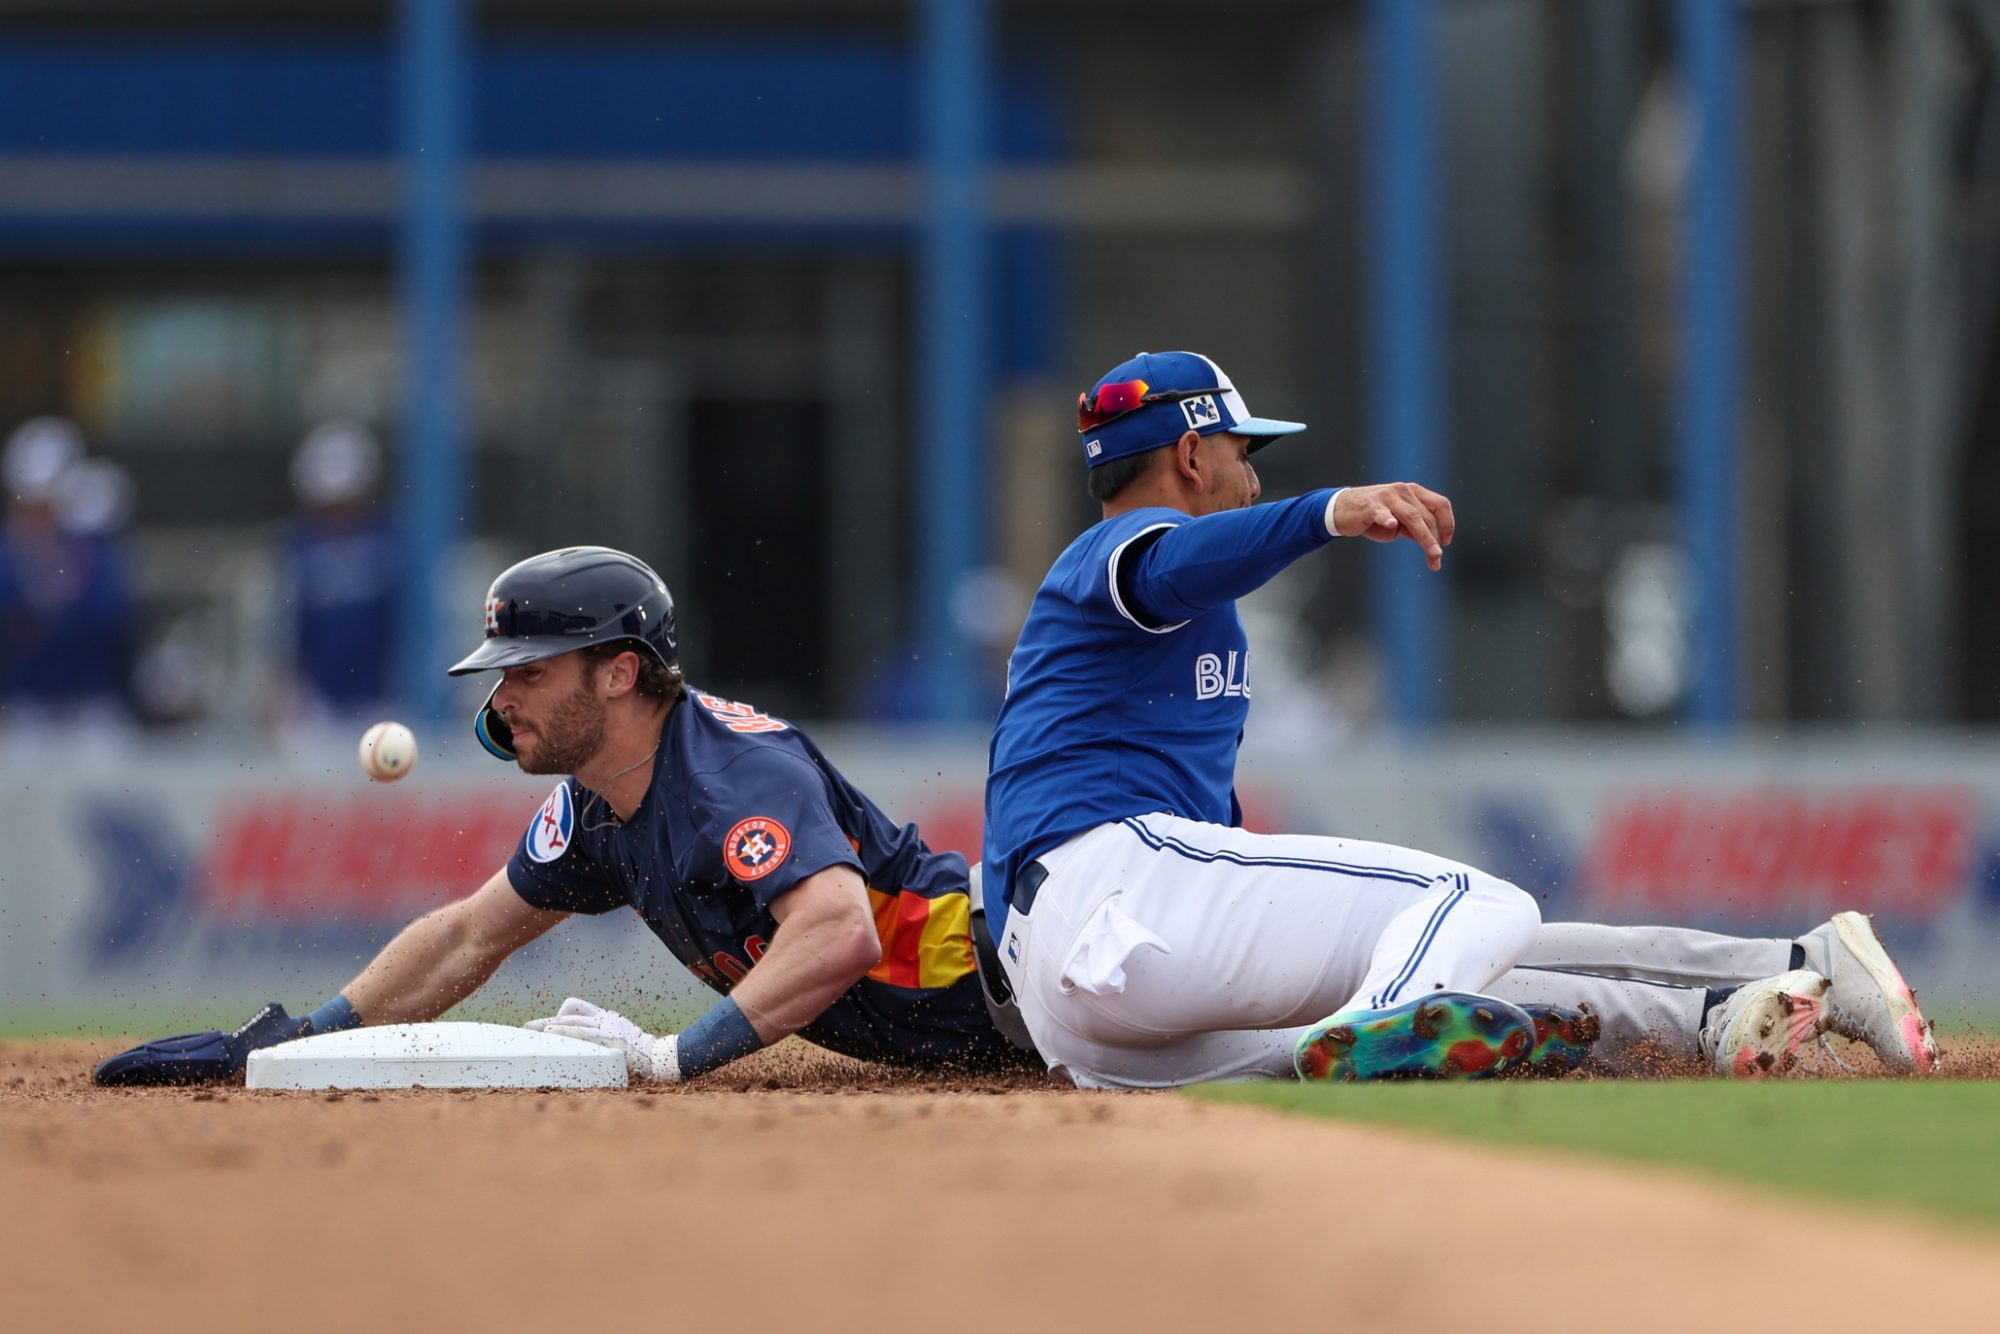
<point x="564" y="600"/>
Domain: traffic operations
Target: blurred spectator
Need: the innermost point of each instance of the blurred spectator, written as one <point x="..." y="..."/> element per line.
<point x="342" y="581"/>
<point x="67" y="617"/>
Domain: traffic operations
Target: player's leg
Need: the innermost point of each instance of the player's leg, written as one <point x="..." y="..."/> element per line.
<point x="1153" y="930"/>
<point x="1676" y="955"/>
<point x="1868" y="1001"/>
<point x="1749" y="1030"/>
<point x="1416" y="1013"/>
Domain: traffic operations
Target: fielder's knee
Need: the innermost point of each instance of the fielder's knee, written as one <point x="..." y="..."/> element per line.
<point x="1513" y="915"/>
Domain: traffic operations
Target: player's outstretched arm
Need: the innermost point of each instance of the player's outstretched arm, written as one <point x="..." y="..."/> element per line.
<point x="1385" y="512"/>
<point x="825" y="943"/>
<point x="432" y="964"/>
<point x="444" y="956"/>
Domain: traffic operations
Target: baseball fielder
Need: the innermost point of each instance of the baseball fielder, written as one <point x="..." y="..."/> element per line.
<point x="734" y="838"/>
<point x="1152" y="941"/>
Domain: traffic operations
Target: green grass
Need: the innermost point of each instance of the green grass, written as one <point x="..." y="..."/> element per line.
<point x="1932" y="1146"/>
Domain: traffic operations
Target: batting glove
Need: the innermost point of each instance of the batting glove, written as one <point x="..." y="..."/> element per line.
<point x="646" y="1056"/>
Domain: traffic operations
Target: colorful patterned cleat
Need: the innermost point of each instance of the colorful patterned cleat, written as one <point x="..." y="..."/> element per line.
<point x="1563" y="1037"/>
<point x="1444" y="1035"/>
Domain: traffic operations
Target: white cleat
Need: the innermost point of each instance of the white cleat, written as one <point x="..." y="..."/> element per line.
<point x="1870" y="1002"/>
<point x="1758" y="1030"/>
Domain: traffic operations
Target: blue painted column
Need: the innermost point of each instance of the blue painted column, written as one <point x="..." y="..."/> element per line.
<point x="432" y="39"/>
<point x="952" y="336"/>
<point x="1708" y="387"/>
<point x="1406" y="383"/>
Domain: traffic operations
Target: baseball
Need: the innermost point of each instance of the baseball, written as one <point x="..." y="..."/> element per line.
<point x="388" y="751"/>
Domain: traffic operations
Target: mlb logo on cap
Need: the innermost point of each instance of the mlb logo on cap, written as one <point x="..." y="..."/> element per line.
<point x="1156" y="397"/>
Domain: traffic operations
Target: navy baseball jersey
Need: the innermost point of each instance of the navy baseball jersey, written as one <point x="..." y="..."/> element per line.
<point x="742" y="808"/>
<point x="1128" y="688"/>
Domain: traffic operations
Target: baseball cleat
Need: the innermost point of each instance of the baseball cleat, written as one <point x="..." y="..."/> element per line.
<point x="1563" y="1037"/>
<point x="1870" y="1002"/>
<point x="1757" y="1031"/>
<point x="1444" y="1035"/>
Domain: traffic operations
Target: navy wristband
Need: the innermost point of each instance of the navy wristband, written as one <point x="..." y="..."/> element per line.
<point x="716" y="1039"/>
<point x="334" y="1016"/>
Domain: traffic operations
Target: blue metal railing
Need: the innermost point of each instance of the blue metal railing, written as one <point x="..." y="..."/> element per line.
<point x="431" y="267"/>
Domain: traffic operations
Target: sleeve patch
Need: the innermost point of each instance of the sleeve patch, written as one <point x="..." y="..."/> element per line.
<point x="549" y="835"/>
<point x="739" y="717"/>
<point x="756" y="847"/>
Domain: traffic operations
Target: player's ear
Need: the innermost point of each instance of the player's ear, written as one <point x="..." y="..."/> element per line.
<point x="621" y="674"/>
<point x="1187" y="457"/>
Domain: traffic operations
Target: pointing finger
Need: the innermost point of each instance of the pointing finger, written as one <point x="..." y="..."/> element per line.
<point x="1447" y="522"/>
<point x="1417" y="526"/>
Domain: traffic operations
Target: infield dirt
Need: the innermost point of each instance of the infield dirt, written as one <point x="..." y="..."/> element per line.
<point x="800" y="1191"/>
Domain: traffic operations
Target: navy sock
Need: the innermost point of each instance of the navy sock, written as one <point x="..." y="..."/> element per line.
<point x="1798" y="955"/>
<point x="334" y="1016"/>
<point x="1716" y="995"/>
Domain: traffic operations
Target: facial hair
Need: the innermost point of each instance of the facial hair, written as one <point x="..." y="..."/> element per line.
<point x="571" y="734"/>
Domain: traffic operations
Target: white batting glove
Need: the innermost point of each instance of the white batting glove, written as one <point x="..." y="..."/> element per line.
<point x="646" y="1056"/>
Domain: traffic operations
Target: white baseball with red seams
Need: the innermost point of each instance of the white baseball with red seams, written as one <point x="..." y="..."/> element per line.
<point x="388" y="751"/>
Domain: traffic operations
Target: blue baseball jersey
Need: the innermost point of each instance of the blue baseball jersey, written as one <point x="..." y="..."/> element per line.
<point x="1128" y="688"/>
<point x="742" y="808"/>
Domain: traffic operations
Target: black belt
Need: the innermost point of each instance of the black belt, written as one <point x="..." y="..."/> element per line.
<point x="1027" y="884"/>
<point x="991" y="976"/>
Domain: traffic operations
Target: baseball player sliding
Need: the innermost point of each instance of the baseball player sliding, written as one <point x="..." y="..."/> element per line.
<point x="737" y="842"/>
<point x="1151" y="941"/>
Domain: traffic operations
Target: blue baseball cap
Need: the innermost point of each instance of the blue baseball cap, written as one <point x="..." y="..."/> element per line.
<point x="1155" y="398"/>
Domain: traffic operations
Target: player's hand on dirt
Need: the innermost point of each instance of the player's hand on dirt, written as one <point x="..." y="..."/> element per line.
<point x="1390" y="510"/>
<point x="646" y="1056"/>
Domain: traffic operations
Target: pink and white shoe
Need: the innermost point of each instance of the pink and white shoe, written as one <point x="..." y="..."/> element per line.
<point x="1869" y="1001"/>
<point x="1758" y="1030"/>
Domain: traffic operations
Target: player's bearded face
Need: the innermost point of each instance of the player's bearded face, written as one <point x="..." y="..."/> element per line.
<point x="565" y="735"/>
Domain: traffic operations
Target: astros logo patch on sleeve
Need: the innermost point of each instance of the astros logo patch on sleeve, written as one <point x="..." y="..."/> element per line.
<point x="548" y="836"/>
<point x="756" y="847"/>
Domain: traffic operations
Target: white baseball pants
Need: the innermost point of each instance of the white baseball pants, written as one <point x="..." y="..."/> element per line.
<point x="1163" y="951"/>
<point x="1647" y="984"/>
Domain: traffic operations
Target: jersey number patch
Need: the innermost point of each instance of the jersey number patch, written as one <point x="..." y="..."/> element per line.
<point x="740" y="717"/>
<point x="756" y="847"/>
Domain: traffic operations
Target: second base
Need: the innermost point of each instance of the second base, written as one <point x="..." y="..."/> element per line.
<point x="437" y="1056"/>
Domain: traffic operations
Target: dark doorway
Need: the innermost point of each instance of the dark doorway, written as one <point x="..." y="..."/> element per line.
<point x="756" y="619"/>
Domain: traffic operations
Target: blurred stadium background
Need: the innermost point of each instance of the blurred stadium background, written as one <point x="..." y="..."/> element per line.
<point x="312" y="317"/>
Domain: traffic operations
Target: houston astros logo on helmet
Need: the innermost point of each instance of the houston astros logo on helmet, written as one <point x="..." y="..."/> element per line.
<point x="756" y="847"/>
